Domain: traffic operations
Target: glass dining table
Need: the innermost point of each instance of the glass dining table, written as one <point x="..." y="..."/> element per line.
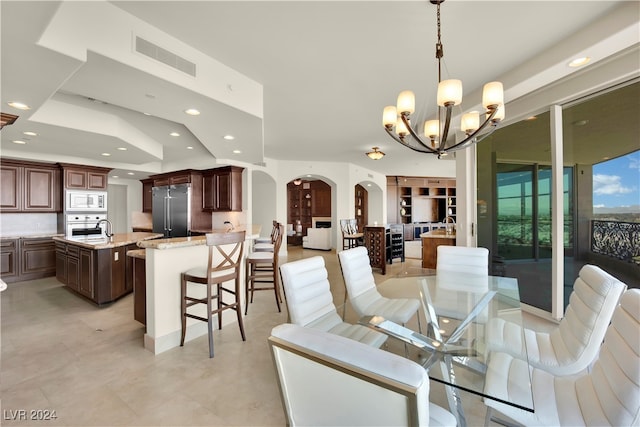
<point x="451" y="336"/>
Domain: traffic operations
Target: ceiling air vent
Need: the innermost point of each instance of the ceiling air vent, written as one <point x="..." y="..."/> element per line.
<point x="151" y="50"/>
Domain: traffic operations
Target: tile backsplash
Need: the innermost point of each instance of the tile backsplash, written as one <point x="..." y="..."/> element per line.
<point x="21" y="224"/>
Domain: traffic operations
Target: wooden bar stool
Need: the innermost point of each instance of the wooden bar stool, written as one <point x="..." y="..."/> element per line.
<point x="262" y="267"/>
<point x="225" y="256"/>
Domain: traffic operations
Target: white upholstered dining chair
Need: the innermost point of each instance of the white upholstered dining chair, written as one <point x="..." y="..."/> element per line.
<point x="363" y="294"/>
<point x="310" y="302"/>
<point x="574" y="344"/>
<point x="329" y="380"/>
<point x="609" y="395"/>
<point x="462" y="259"/>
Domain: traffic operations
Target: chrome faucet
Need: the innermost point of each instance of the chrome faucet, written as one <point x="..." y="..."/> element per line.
<point x="449" y="226"/>
<point x="109" y="231"/>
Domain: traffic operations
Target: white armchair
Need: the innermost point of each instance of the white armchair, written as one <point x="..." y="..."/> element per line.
<point x="329" y="380"/>
<point x="608" y="395"/>
<point x="574" y="344"/>
<point x="317" y="238"/>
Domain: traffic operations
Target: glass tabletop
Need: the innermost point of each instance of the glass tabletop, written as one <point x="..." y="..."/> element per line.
<point x="449" y="339"/>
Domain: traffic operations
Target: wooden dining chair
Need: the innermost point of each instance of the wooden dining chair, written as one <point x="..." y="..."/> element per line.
<point x="351" y="237"/>
<point x="261" y="268"/>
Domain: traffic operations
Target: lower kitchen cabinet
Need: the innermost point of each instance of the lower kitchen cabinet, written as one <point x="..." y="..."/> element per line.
<point x="27" y="258"/>
<point x="102" y="275"/>
<point x="9" y="259"/>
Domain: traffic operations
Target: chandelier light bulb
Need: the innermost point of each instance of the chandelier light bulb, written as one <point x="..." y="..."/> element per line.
<point x="449" y="92"/>
<point x="389" y="116"/>
<point x="499" y="114"/>
<point x="406" y="102"/>
<point x="401" y="128"/>
<point x="470" y="122"/>
<point x="492" y="94"/>
<point x="432" y="129"/>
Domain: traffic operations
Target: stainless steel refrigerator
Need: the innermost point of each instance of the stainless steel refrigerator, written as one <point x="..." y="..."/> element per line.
<point x="172" y="210"/>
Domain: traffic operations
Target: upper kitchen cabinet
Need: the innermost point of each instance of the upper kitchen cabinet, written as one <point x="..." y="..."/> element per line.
<point x="222" y="189"/>
<point x="147" y="195"/>
<point x="174" y="178"/>
<point x="29" y="187"/>
<point x="78" y="177"/>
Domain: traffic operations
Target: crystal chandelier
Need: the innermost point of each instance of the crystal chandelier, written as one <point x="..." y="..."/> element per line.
<point x="397" y="120"/>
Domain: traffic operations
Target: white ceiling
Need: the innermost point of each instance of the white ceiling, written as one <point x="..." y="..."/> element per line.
<point x="327" y="69"/>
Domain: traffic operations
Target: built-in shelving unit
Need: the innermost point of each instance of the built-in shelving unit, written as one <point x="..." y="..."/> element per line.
<point x="361" y="207"/>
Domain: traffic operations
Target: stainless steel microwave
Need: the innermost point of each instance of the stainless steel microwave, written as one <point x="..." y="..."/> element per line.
<point x="85" y="201"/>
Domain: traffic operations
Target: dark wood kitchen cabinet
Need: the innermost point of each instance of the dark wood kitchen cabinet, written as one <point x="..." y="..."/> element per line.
<point x="37" y="258"/>
<point x="30" y="187"/>
<point x="9" y="259"/>
<point x="147" y="195"/>
<point x="101" y="275"/>
<point x="222" y="189"/>
<point x="78" y="177"/>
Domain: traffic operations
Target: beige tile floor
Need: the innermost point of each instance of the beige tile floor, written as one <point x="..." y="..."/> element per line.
<point x="63" y="354"/>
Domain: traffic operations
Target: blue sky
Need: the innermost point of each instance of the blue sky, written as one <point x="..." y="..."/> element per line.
<point x="616" y="182"/>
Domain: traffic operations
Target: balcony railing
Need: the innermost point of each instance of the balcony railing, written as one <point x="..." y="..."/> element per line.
<point x="617" y="239"/>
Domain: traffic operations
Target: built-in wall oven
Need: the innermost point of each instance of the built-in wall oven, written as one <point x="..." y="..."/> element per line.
<point x="85" y="226"/>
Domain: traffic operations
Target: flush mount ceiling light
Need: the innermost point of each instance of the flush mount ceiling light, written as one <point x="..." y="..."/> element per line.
<point x="192" y="112"/>
<point x="375" y="154"/>
<point x="297" y="181"/>
<point x="397" y="120"/>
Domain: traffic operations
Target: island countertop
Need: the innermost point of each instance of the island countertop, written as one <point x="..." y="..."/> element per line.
<point x="181" y="242"/>
<point x="118" y="239"/>
<point x="438" y="234"/>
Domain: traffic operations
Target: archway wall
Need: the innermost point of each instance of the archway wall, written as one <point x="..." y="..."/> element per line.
<point x="342" y="177"/>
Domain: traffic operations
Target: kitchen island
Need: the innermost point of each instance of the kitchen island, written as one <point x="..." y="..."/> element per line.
<point x="97" y="268"/>
<point x="165" y="260"/>
<point x="430" y="243"/>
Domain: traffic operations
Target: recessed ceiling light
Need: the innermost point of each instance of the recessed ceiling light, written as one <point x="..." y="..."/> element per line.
<point x="115" y="176"/>
<point x="237" y="151"/>
<point x="147" y="114"/>
<point x="130" y="173"/>
<point x="532" y="118"/>
<point x="189" y="148"/>
<point x="580" y="122"/>
<point x="579" y="62"/>
<point x="30" y="133"/>
<point x="105" y="154"/>
<point x="19" y="141"/>
<point x="229" y="137"/>
<point x="122" y="148"/>
<point x="150" y="95"/>
<point x="174" y="134"/>
<point x="18" y="105"/>
<point x="192" y="112"/>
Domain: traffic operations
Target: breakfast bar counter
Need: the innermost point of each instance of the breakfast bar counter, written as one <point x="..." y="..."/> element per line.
<point x="165" y="260"/>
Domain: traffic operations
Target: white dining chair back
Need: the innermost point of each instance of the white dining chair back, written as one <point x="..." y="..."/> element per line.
<point x="310" y="302"/>
<point x="328" y="380"/>
<point x="362" y="293"/>
<point x="609" y="395"/>
<point x="574" y="344"/>
<point x="462" y="259"/>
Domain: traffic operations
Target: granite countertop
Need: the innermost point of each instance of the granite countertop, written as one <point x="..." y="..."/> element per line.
<point x="137" y="253"/>
<point x="36" y="235"/>
<point x="118" y="239"/>
<point x="180" y="242"/>
<point x="438" y="234"/>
